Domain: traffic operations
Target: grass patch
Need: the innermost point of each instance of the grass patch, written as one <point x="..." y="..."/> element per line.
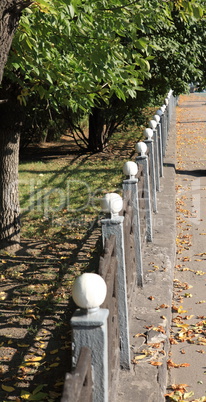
<point x="62" y="195"/>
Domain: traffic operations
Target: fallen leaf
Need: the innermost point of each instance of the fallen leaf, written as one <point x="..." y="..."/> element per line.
<point x="188" y="317"/>
<point x="201" y="341"/>
<point x="156" y="363"/>
<point x="155" y="345"/>
<point x="179" y="386"/>
<point x="140" y="357"/>
<point x="170" y="364"/>
<point x="7" y="388"/>
<point x="34" y="359"/>
<point x="53" y="352"/>
<point x="23" y="345"/>
<point x="2" y="295"/>
<point x="139" y="334"/>
<point x="178" y="309"/>
<point x="173" y="341"/>
<point x="162" y="306"/>
<point x="54" y="365"/>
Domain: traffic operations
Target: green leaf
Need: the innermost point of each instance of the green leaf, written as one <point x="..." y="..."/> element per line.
<point x="38" y="397"/>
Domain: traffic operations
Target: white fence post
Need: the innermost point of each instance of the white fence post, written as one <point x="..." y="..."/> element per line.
<point x="131" y="186"/>
<point x="112" y="203"/>
<point x="142" y="159"/>
<point x="89" y="325"/>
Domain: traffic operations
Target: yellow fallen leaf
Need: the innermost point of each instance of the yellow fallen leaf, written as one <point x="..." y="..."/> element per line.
<point x="42" y="345"/>
<point x="23" y="345"/>
<point x="188" y="394"/>
<point x="25" y="394"/>
<point x="188" y="317"/>
<point x="54" y="365"/>
<point x="34" y="359"/>
<point x="7" y="388"/>
<point x="201" y="341"/>
<point x="156" y="363"/>
<point x="184" y="326"/>
<point x="59" y="384"/>
<point x="139" y="357"/>
<point x="178" y="309"/>
<point x="2" y="295"/>
<point x="53" y="352"/>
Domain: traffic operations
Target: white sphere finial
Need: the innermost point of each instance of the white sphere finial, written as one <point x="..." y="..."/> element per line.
<point x="163" y="108"/>
<point x="148" y="132"/>
<point x="113" y="203"/>
<point x="130" y="169"/>
<point x="89" y="291"/>
<point x="157" y="118"/>
<point x="153" y="124"/>
<point x="169" y="93"/>
<point x="141" y="148"/>
<point x="159" y="112"/>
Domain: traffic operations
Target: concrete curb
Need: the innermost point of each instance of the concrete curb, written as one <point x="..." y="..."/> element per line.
<point x="151" y="315"/>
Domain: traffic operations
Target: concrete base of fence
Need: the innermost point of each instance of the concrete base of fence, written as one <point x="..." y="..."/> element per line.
<point x="90" y="329"/>
<point x="151" y="316"/>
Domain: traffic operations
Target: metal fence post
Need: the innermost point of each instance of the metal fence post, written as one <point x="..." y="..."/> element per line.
<point x="153" y="126"/>
<point x="114" y="226"/>
<point x="164" y="129"/>
<point x="156" y="117"/>
<point x="89" y="325"/>
<point x="142" y="159"/>
<point x="131" y="186"/>
<point x="150" y="144"/>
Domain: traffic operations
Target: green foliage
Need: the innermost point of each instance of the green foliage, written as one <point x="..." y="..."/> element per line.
<point x="71" y="56"/>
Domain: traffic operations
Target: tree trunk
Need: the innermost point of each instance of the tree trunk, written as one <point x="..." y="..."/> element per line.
<point x="10" y="12"/>
<point x="11" y="121"/>
<point x="9" y="200"/>
<point x="96" y="141"/>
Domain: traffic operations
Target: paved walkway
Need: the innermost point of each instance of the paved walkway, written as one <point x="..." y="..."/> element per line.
<point x="181" y="219"/>
<point x="188" y="334"/>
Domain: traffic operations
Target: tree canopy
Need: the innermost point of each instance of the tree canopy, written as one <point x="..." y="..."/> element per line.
<point x="71" y="56"/>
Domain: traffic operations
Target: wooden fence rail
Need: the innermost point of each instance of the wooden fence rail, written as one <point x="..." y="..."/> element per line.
<point x="108" y="271"/>
<point x="78" y="385"/>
